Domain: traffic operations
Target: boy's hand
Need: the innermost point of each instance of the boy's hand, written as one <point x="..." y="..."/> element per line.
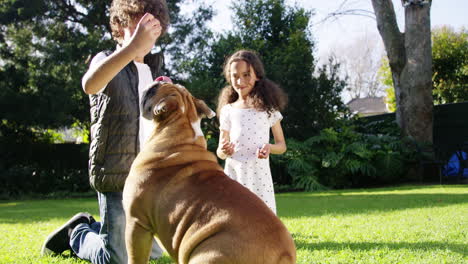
<point x="227" y="148"/>
<point x="264" y="151"/>
<point x="146" y="33"/>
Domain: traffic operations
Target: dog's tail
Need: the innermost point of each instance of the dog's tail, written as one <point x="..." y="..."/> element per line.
<point x="288" y="251"/>
<point x="287" y="258"/>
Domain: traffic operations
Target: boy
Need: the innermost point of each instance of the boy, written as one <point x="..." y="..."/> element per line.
<point x="115" y="83"/>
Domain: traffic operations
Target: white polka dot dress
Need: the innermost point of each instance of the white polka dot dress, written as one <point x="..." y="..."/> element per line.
<point x="249" y="129"/>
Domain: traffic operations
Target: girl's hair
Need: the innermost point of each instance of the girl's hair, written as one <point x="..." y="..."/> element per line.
<point x="124" y="12"/>
<point x="265" y="96"/>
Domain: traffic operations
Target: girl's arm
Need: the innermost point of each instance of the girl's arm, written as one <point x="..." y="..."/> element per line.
<point x="280" y="143"/>
<point x="225" y="147"/>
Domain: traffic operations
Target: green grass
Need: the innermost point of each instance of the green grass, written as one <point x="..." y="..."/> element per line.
<point x="410" y="224"/>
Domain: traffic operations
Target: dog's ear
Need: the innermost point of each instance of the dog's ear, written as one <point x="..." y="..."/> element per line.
<point x="165" y="105"/>
<point x="202" y="109"/>
<point x="159" y="108"/>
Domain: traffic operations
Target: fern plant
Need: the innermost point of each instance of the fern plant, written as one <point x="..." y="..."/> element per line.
<point x="343" y="157"/>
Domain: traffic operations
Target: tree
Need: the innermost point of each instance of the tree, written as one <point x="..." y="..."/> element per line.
<point x="360" y="61"/>
<point x="189" y="37"/>
<point x="450" y="67"/>
<point x="45" y="47"/>
<point x="450" y="64"/>
<point x="385" y="78"/>
<point x="410" y="60"/>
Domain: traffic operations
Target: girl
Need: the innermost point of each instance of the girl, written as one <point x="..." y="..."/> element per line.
<point x="247" y="108"/>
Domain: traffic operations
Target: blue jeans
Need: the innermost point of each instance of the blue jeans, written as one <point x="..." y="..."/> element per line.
<point x="104" y="242"/>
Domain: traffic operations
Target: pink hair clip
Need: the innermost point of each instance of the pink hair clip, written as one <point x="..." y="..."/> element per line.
<point x="163" y="79"/>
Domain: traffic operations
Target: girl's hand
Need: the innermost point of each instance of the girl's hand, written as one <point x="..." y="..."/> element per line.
<point x="227" y="148"/>
<point x="264" y="151"/>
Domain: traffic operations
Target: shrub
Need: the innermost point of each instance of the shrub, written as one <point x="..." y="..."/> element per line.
<point x="42" y="168"/>
<point x="21" y="180"/>
<point x="341" y="158"/>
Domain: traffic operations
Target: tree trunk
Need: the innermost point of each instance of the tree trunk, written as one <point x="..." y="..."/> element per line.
<point x="410" y="58"/>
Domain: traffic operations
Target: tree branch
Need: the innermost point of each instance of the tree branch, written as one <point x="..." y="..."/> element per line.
<point x="392" y="38"/>
<point x="342" y="10"/>
<point x="70" y="11"/>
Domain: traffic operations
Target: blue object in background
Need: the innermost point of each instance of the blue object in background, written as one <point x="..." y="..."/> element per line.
<point x="452" y="167"/>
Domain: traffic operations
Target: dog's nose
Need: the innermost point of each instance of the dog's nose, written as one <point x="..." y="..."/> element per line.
<point x="163" y="79"/>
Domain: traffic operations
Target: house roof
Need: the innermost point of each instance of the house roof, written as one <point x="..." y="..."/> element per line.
<point x="368" y="105"/>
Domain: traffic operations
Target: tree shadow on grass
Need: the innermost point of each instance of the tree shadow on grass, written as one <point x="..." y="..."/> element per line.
<point x="295" y="205"/>
<point x="302" y="243"/>
<point x="292" y="205"/>
<point x="30" y="211"/>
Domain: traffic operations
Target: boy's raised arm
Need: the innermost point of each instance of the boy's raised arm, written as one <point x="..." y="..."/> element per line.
<point x="102" y="72"/>
<point x="143" y="39"/>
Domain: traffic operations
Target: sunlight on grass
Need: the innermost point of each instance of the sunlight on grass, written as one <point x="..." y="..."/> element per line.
<point x="399" y="225"/>
<point x="409" y="224"/>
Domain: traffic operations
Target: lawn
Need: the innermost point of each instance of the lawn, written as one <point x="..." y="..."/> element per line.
<point x="409" y="224"/>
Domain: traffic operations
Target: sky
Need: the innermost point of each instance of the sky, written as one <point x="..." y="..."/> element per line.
<point x="333" y="33"/>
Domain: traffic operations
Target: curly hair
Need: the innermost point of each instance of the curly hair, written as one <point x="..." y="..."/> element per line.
<point x="124" y="12"/>
<point x="265" y="95"/>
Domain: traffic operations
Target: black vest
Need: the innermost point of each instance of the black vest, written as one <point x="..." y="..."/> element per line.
<point x="114" y="127"/>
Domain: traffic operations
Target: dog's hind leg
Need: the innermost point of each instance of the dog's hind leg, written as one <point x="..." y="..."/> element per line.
<point x="138" y="241"/>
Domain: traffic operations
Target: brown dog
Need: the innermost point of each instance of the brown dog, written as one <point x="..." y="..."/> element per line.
<point x="177" y="192"/>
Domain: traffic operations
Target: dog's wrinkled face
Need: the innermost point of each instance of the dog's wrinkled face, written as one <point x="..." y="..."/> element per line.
<point x="163" y="100"/>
